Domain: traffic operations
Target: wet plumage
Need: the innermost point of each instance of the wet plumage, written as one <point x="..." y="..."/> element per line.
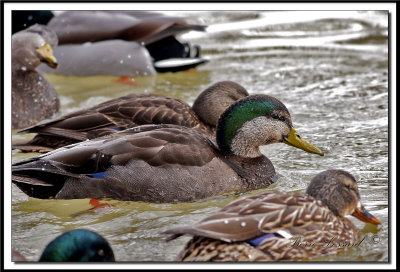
<point x="134" y="110"/>
<point x="167" y="163"/>
<point x="278" y="226"/>
<point x="33" y="97"/>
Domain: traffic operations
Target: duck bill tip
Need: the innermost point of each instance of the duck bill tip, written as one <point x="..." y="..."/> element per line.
<point x="363" y="215"/>
<point x="46" y="56"/>
<point x="295" y="140"/>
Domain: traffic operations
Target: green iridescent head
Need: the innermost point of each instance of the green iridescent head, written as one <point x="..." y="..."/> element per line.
<point x="254" y="121"/>
<point x="78" y="246"/>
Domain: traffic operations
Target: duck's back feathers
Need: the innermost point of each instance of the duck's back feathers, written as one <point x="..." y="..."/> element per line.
<point x="130" y="111"/>
<point x="274" y="225"/>
<point x="109" y="117"/>
<point x="91" y="26"/>
<point x="250" y="217"/>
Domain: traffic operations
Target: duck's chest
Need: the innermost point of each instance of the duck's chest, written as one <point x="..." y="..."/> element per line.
<point x="255" y="172"/>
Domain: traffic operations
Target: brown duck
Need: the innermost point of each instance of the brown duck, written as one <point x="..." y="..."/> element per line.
<point x="134" y="110"/>
<point x="276" y="226"/>
<point x="167" y="163"/>
<point x="33" y="97"/>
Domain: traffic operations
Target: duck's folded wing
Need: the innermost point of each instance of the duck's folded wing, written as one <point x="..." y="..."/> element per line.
<point x="161" y="145"/>
<point x="269" y="212"/>
<point x="118" y="114"/>
<point x="110" y="117"/>
<point x="91" y="26"/>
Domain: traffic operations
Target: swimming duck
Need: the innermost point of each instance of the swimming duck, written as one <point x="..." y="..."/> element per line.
<point x="134" y="110"/>
<point x="278" y="226"/>
<point x="125" y="43"/>
<point x="78" y="245"/>
<point x="167" y="163"/>
<point x="33" y="97"/>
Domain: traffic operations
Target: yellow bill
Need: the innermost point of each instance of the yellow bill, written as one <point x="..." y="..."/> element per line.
<point x="295" y="140"/>
<point x="46" y="55"/>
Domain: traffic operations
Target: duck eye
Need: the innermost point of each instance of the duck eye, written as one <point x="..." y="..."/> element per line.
<point x="275" y="116"/>
<point x="101" y="252"/>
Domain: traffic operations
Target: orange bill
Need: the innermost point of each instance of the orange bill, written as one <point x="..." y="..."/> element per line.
<point x="363" y="215"/>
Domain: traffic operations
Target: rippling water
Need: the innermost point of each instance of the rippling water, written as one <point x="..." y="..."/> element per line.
<point x="329" y="68"/>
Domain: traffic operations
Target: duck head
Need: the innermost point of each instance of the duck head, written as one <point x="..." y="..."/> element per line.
<point x="338" y="190"/>
<point x="254" y="121"/>
<point x="34" y="46"/>
<point x="78" y="246"/>
<point x="214" y="100"/>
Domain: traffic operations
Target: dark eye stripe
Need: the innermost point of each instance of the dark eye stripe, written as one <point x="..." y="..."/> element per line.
<point x="351" y="187"/>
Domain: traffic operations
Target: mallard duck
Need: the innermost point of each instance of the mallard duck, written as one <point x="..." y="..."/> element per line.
<point x="125" y="43"/>
<point x="133" y="110"/>
<point x="167" y="163"/>
<point x="278" y="226"/>
<point x="33" y="97"/>
<point x="78" y="245"/>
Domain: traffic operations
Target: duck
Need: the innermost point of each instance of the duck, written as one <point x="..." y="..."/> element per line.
<point x="275" y="226"/>
<point x="122" y="43"/>
<point x="78" y="245"/>
<point x="167" y="163"/>
<point x="130" y="111"/>
<point x="33" y="97"/>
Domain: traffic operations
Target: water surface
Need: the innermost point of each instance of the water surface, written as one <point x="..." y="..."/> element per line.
<point x="329" y="68"/>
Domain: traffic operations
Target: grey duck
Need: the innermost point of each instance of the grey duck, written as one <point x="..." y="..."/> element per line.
<point x="33" y="97"/>
<point x="125" y="43"/>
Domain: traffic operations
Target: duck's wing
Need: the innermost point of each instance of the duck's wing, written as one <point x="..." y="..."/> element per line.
<point x="110" y="117"/>
<point x="157" y="146"/>
<point x="270" y="212"/>
<point x="91" y="26"/>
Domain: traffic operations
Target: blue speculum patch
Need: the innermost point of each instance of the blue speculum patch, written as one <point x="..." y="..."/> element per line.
<point x="115" y="128"/>
<point x="97" y="175"/>
<point x="261" y="239"/>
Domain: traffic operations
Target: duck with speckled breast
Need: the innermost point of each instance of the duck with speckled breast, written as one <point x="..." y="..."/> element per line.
<point x="277" y="226"/>
<point x="33" y="97"/>
<point x="167" y="163"/>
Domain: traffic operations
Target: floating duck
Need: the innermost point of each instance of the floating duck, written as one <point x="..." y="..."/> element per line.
<point x="78" y="245"/>
<point x="124" y="43"/>
<point x="167" y="163"/>
<point x="33" y="97"/>
<point x="277" y="226"/>
<point x="134" y="110"/>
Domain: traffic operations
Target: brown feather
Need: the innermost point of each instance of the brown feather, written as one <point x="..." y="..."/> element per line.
<point x="130" y="111"/>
